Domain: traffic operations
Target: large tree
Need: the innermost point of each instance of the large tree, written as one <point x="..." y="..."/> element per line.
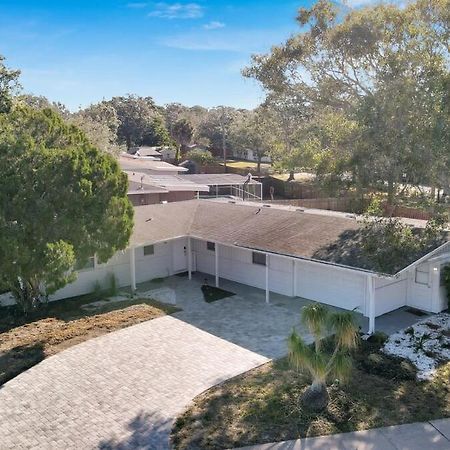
<point x="8" y="85"/>
<point x="61" y="202"/>
<point x="140" y="121"/>
<point x="382" y="67"/>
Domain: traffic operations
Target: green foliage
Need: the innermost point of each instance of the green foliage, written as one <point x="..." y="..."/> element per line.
<point x="370" y="95"/>
<point x="8" y="84"/>
<point x="318" y="361"/>
<point x="202" y="157"/>
<point x="388" y="242"/>
<point x="61" y="201"/>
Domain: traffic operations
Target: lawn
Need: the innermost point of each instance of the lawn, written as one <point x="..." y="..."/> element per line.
<point x="261" y="406"/>
<point x="26" y="342"/>
<point x="248" y="165"/>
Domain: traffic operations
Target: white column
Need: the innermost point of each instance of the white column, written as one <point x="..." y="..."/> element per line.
<point x="436" y="305"/>
<point x="371" y="298"/>
<point x="189" y="258"/>
<point x="216" y="258"/>
<point x="267" y="279"/>
<point x="133" y="269"/>
<point x="294" y="277"/>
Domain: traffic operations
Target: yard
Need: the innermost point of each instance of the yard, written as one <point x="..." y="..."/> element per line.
<point x="261" y="406"/>
<point x="26" y="342"/>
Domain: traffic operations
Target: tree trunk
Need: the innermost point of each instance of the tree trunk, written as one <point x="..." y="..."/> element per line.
<point x="315" y="398"/>
<point x="391" y="191"/>
<point x="258" y="166"/>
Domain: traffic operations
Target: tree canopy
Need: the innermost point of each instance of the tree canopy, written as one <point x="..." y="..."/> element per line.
<point x="61" y="201"/>
<point x="377" y="80"/>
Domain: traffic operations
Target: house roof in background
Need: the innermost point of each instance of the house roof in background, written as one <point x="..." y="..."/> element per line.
<point x="166" y="182"/>
<point x="136" y="163"/>
<point x="145" y="151"/>
<point x="219" y="179"/>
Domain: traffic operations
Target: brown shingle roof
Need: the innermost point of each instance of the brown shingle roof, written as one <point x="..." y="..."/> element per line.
<point x="322" y="236"/>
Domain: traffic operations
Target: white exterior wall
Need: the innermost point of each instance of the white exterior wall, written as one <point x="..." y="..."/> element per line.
<point x="390" y="294"/>
<point x="333" y="286"/>
<point x="420" y="295"/>
<point x="236" y="264"/>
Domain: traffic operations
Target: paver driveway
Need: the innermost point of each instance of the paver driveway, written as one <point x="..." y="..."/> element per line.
<point x="119" y="391"/>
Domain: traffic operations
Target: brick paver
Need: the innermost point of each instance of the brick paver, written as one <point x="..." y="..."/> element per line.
<point x="119" y="391"/>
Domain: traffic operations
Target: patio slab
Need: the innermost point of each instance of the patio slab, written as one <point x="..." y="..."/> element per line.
<point x="245" y="319"/>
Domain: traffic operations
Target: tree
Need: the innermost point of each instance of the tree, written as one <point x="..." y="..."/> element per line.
<point x="8" y="85"/>
<point x="383" y="68"/>
<point x="254" y="132"/>
<point x="320" y="364"/>
<point x="387" y="242"/>
<point x="61" y="201"/>
<point x="100" y="124"/>
<point x="182" y="133"/>
<point x="140" y="122"/>
<point x="200" y="157"/>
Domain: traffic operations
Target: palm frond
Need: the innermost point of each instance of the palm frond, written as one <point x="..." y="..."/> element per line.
<point x="303" y="357"/>
<point x="314" y="317"/>
<point x="345" y="329"/>
<point x="342" y="366"/>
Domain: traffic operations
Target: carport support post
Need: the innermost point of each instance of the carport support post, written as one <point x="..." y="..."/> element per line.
<point x="133" y="269"/>
<point x="371" y="293"/>
<point x="216" y="262"/>
<point x="189" y="258"/>
<point x="267" y="279"/>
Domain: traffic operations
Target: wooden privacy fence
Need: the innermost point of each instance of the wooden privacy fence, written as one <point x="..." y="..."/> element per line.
<point x="353" y="205"/>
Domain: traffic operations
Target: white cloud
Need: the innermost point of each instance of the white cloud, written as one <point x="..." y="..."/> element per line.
<point x="177" y="11"/>
<point x="137" y="5"/>
<point x="213" y="25"/>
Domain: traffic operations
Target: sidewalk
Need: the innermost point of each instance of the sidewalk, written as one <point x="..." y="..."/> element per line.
<point x="433" y="435"/>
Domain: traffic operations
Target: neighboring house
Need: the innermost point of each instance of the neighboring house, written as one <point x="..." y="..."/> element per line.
<point x="299" y="253"/>
<point x="144" y="189"/>
<point x="228" y="184"/>
<point x="147" y="165"/>
<point x="250" y="155"/>
<point x="146" y="151"/>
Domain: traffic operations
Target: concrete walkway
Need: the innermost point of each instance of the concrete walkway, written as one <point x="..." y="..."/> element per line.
<point x="433" y="435"/>
<point x="119" y="391"/>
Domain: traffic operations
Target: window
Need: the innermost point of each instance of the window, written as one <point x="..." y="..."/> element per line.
<point x="259" y="258"/>
<point x="211" y="246"/>
<point x="149" y="250"/>
<point x="421" y="275"/>
<point x="85" y="265"/>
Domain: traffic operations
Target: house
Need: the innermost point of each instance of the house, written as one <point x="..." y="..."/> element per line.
<point x="144" y="189"/>
<point x="250" y="155"/>
<point x="228" y="184"/>
<point x="146" y="151"/>
<point x="147" y="165"/>
<point x="298" y="253"/>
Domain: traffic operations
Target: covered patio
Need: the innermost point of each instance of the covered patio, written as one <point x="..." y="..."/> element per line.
<point x="246" y="319"/>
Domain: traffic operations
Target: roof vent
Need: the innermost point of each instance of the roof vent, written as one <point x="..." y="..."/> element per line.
<point x="266" y="206"/>
<point x="300" y="210"/>
<point x="232" y="201"/>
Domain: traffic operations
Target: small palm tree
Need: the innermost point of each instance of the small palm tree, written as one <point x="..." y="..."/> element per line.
<point x="320" y="364"/>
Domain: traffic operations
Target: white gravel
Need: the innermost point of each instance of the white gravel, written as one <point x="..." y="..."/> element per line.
<point x="426" y="344"/>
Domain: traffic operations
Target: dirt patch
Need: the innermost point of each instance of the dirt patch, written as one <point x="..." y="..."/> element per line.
<point x="262" y="406"/>
<point x="23" y="346"/>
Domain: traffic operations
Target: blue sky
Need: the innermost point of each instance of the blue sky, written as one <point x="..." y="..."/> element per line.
<point x="80" y="51"/>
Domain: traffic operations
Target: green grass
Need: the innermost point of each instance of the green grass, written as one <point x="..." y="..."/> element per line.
<point x="212" y="293"/>
<point x="262" y="405"/>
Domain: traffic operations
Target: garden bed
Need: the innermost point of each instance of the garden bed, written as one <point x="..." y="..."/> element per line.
<point x="262" y="405"/>
<point x="426" y="344"/>
<point x="25" y="342"/>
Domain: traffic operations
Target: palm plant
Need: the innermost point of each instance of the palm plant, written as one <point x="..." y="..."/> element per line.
<point x="322" y="364"/>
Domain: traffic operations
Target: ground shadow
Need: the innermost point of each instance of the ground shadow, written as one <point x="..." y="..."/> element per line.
<point x="18" y="359"/>
<point x="148" y="431"/>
